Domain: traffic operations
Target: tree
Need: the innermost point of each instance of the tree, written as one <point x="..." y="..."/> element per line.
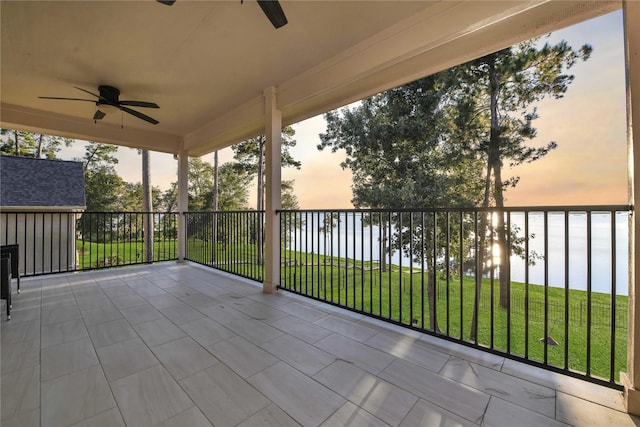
<point x="505" y="86"/>
<point x="30" y="144"/>
<point x="103" y="188"/>
<point x="402" y="150"/>
<point x="250" y="159"/>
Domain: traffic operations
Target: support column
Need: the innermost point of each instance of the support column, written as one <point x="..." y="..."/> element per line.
<point x="631" y="379"/>
<point x="273" y="202"/>
<point x="183" y="203"/>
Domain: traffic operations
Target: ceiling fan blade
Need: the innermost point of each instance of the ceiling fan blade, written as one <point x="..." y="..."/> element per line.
<point x="167" y="2"/>
<point x="274" y="12"/>
<point x="67" y="99"/>
<point x="86" y="91"/>
<point x="99" y="115"/>
<point x="140" y="104"/>
<point x="139" y="115"/>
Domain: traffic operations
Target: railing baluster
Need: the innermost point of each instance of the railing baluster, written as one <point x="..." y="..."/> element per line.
<point x="589" y="276"/>
<point x="612" y="358"/>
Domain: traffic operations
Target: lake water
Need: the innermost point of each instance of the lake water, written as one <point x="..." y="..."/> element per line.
<point x="352" y="240"/>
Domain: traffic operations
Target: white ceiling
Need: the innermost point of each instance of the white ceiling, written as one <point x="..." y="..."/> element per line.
<point x="207" y="63"/>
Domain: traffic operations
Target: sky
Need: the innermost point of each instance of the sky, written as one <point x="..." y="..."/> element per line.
<point x="588" y="124"/>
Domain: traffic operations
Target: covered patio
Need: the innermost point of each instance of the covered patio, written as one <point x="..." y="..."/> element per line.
<point x="173" y="344"/>
<point x="181" y="345"/>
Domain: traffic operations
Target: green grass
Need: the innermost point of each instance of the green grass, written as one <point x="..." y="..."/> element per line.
<point x="96" y="255"/>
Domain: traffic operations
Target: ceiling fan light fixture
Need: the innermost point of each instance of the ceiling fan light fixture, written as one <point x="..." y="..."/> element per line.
<point x="107" y="108"/>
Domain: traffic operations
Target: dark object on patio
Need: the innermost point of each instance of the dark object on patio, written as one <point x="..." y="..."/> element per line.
<point x="5" y="281"/>
<point x="549" y="341"/>
<point x="15" y="260"/>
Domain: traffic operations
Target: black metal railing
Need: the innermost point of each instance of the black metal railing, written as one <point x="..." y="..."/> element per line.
<point x="56" y="242"/>
<point x="544" y="285"/>
<point x="230" y="241"/>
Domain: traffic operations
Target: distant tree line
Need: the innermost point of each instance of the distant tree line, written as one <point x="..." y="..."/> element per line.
<point x="210" y="187"/>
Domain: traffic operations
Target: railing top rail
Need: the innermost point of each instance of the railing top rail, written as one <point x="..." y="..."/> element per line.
<point x="568" y="209"/>
<point x="244" y="211"/>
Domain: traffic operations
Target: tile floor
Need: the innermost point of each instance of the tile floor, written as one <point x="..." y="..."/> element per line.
<point x="180" y="345"/>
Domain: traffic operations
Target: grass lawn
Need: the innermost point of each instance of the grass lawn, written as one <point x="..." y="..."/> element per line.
<point x="96" y="255"/>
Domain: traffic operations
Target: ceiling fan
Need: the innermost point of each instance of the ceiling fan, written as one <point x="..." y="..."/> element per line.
<point x="271" y="8"/>
<point x="109" y="99"/>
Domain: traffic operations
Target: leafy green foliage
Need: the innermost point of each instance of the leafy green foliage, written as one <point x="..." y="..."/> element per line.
<point x="250" y="159"/>
<point x="30" y="144"/>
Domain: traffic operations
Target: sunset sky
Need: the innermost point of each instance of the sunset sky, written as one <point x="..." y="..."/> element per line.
<point x="588" y="124"/>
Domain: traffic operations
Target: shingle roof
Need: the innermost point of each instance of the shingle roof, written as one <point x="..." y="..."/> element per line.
<point x="29" y="182"/>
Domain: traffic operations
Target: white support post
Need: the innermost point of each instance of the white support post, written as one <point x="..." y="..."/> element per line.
<point x="273" y="202"/>
<point x="631" y="379"/>
<point x="183" y="203"/>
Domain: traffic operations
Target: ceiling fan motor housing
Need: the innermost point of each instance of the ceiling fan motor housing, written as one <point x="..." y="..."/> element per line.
<point x="109" y="93"/>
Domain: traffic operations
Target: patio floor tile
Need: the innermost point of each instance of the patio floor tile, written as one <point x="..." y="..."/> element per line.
<point x="181" y="313"/>
<point x="128" y="301"/>
<point x="20" y="392"/>
<point x="242" y="356"/>
<point x="427" y="414"/>
<point x="270" y="416"/>
<point x="58" y="333"/>
<point x="207" y="331"/>
<point x="347" y="328"/>
<point x="184" y="357"/>
<point x="149" y="397"/>
<point x="305" y="400"/>
<point x="100" y="314"/>
<point x="575" y="411"/>
<point x="67" y="357"/>
<point x="501" y="413"/>
<point x="468" y="402"/>
<point x="302" y="329"/>
<point x="107" y="333"/>
<point x="532" y="396"/>
<point x="72" y="398"/>
<point x="223" y="397"/>
<point x="109" y="418"/>
<point x="141" y="314"/>
<point x="253" y="330"/>
<point x="299" y="354"/>
<point x="408" y="349"/>
<point x="158" y="332"/>
<point x="192" y="417"/>
<point x="352" y="415"/>
<point x="382" y="399"/>
<point x="351" y="351"/>
<point x="125" y="358"/>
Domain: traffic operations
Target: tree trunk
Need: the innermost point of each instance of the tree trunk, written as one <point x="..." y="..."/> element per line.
<point x="498" y="195"/>
<point x="480" y="251"/>
<point x="383" y="247"/>
<point x="17" y="141"/>
<point x="493" y="164"/>
<point x="431" y="293"/>
<point x="147" y="208"/>
<point x="40" y="146"/>
<point x="214" y="225"/>
<point x="503" y="272"/>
